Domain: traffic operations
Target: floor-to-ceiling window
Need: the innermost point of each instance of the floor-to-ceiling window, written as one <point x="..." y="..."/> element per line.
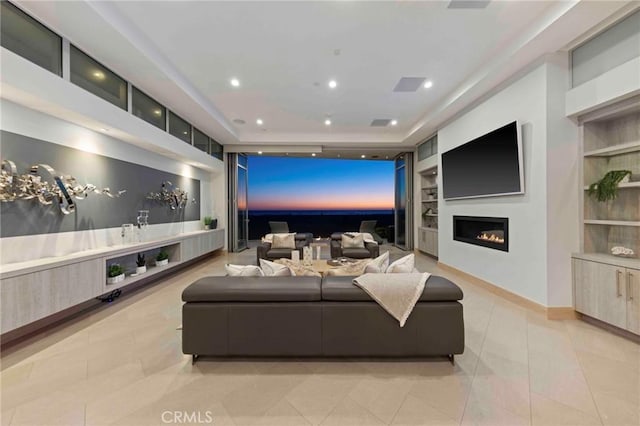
<point x="402" y="198"/>
<point x="238" y="175"/>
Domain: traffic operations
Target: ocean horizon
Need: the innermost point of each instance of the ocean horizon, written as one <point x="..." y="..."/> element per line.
<point x="327" y="212"/>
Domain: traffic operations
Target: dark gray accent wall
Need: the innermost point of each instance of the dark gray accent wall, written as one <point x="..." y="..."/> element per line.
<point x="29" y="217"/>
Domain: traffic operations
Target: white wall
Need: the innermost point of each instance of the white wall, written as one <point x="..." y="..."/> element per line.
<point x="522" y="270"/>
<point x="563" y="185"/>
<point x="19" y="119"/>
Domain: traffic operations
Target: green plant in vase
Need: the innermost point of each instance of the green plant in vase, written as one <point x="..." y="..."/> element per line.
<point x="162" y="258"/>
<point x="207" y="222"/>
<point x="607" y="188"/>
<point x="115" y="273"/>
<point x="141" y="264"/>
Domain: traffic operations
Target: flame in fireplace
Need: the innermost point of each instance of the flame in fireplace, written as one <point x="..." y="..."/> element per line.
<point x="491" y="238"/>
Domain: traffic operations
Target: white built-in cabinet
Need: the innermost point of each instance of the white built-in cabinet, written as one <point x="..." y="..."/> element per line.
<point x="607" y="287"/>
<point x="610" y="293"/>
<point x="31" y="291"/>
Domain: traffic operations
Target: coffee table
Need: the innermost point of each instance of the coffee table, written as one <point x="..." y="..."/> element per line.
<point x="322" y="267"/>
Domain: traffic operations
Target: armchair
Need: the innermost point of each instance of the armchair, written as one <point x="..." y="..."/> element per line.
<point x="264" y="250"/>
<point x="370" y="249"/>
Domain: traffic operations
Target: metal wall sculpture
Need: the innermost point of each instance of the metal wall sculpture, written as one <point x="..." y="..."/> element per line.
<point x="175" y="198"/>
<point x="32" y="185"/>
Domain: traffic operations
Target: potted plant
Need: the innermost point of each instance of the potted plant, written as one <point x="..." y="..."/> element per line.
<point x="141" y="264"/>
<point x="115" y="274"/>
<point x="207" y="222"/>
<point x="607" y="188"/>
<point x="162" y="258"/>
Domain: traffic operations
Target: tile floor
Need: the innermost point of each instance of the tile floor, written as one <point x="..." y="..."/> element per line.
<point x="122" y="364"/>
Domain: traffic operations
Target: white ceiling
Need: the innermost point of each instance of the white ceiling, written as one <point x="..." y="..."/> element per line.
<point x="184" y="54"/>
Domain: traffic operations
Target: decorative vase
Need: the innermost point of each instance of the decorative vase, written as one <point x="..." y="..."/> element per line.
<point x="116" y="279"/>
<point x="207" y="227"/>
<point x="214" y="224"/>
<point x="141" y="270"/>
<point x="295" y="256"/>
<point x="307" y="255"/>
<point x="162" y="262"/>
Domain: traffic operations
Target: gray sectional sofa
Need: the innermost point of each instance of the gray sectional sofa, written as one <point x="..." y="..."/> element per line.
<point x="315" y="317"/>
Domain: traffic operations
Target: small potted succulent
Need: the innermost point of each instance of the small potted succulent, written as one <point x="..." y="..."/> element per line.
<point x="162" y="258"/>
<point x="207" y="222"/>
<point x="141" y="264"/>
<point x="115" y="274"/>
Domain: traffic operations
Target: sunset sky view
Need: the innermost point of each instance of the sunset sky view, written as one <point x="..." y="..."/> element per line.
<point x="284" y="183"/>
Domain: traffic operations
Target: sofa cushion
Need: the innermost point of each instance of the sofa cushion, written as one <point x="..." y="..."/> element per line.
<point x="356" y="253"/>
<point x="277" y="253"/>
<point x="342" y="289"/>
<point x="253" y="289"/>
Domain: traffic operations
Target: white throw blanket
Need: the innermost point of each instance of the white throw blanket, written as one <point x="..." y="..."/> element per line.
<point x="396" y="293"/>
<point x="367" y="237"/>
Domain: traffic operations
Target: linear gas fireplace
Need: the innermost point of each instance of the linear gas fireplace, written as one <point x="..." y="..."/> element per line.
<point x="492" y="232"/>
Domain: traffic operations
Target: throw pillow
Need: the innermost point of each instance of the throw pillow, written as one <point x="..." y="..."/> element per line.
<point x="243" y="270"/>
<point x="402" y="265"/>
<point x="378" y="265"/>
<point x="272" y="269"/>
<point x="356" y="241"/>
<point x="287" y="241"/>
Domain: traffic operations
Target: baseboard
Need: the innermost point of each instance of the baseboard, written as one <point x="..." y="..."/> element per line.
<point x="562" y="313"/>
<point x="552" y="313"/>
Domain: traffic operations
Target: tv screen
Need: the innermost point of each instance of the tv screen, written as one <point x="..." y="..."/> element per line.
<point x="486" y="166"/>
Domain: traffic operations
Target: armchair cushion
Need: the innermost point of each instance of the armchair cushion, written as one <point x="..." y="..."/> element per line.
<point x="349" y="241"/>
<point x="284" y="241"/>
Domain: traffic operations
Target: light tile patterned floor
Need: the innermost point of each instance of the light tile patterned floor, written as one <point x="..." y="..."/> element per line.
<point x="123" y="365"/>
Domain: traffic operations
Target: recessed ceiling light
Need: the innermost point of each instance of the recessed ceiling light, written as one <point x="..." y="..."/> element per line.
<point x="259" y="152"/>
<point x="259" y="122"/>
<point x="99" y="75"/>
<point x="313" y="154"/>
<point x="394" y="122"/>
<point x="333" y="84"/>
<point x="327" y="122"/>
<point x="235" y="82"/>
<point x="363" y="156"/>
<point x="104" y="130"/>
<point x="428" y="84"/>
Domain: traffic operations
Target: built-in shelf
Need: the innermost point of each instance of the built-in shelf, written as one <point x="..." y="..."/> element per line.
<point x="627" y="185"/>
<point x="428" y="229"/>
<point x="151" y="271"/>
<point x="614" y="150"/>
<point x="611" y="222"/>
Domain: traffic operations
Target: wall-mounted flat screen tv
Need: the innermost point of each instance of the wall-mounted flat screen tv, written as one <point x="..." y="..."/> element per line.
<point x="487" y="166"/>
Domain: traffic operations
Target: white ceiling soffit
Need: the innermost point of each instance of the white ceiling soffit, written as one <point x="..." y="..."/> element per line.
<point x="285" y="53"/>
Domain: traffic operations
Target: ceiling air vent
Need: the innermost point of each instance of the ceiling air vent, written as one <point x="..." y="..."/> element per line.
<point x="468" y="4"/>
<point x="239" y="121"/>
<point x="380" y="122"/>
<point x="409" y="84"/>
